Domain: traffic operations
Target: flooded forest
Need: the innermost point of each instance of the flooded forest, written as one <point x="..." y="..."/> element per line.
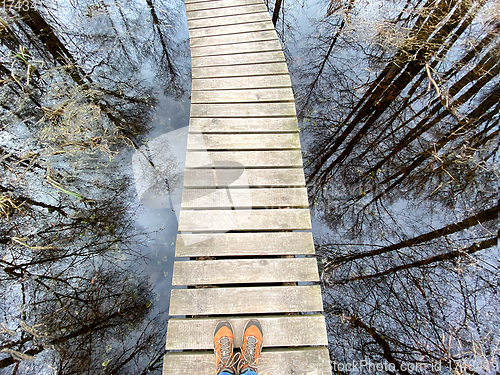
<point x="398" y="104"/>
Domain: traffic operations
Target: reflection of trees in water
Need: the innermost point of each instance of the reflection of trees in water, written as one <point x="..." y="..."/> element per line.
<point x="67" y="279"/>
<point x="72" y="100"/>
<point x="400" y="103"/>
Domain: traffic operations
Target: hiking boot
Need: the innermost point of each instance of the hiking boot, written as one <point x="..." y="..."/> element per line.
<point x="251" y="347"/>
<point x="223" y="347"/>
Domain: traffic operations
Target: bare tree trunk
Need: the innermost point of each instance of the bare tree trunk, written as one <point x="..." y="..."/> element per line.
<point x="486" y="244"/>
<point x="55" y="46"/>
<point x="481" y="217"/>
<point x="276" y="12"/>
<point x="388" y="354"/>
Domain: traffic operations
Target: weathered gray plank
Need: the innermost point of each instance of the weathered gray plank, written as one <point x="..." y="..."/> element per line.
<point x="218" y="4"/>
<point x="199" y="1"/>
<point x="242" y="96"/>
<point x="231" y="29"/>
<point x="243" y="244"/>
<point x="197" y="141"/>
<point x="235" y="2"/>
<point x="239" y="159"/>
<point x="228" y="20"/>
<point x="256" y="36"/>
<point x="300" y="361"/>
<point x="279" y="331"/>
<point x="270" y="299"/>
<point x="244" y="198"/>
<point x="226" y="11"/>
<point x="243" y="110"/>
<point x="260" y="82"/>
<point x="243" y="271"/>
<point x="207" y="178"/>
<point x="241" y="125"/>
<point x="244" y="220"/>
<point x="230" y="49"/>
<point x="240" y="70"/>
<point x="242" y="59"/>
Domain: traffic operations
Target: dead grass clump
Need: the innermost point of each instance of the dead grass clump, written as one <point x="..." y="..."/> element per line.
<point x="7" y="207"/>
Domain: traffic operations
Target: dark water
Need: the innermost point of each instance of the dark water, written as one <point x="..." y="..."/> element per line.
<point x="399" y="102"/>
<point x="94" y="98"/>
<point x="398" y="105"/>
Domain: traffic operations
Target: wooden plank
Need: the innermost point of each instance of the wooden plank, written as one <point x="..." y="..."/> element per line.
<point x="240" y="70"/>
<point x="218" y="4"/>
<point x="241" y="125"/>
<point x="244" y="271"/>
<point x="207" y="178"/>
<point x="242" y="96"/>
<point x="299" y="361"/>
<point x="241" y="59"/>
<point x="256" y="36"/>
<point x="279" y="331"/>
<point x="243" y="244"/>
<point x="200" y="1"/>
<point x="243" y="110"/>
<point x="240" y="159"/>
<point x="262" y="300"/>
<point x="231" y="29"/>
<point x="287" y="141"/>
<point x="244" y="198"/>
<point x="234" y="2"/>
<point x="244" y="220"/>
<point x="261" y="82"/>
<point x="230" y="49"/>
<point x="228" y="20"/>
<point x="226" y="11"/>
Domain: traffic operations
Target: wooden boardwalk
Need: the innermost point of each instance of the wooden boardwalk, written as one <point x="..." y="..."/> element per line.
<point x="244" y="224"/>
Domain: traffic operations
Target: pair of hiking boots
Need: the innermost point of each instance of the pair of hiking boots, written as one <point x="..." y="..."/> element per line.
<point x="239" y="363"/>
